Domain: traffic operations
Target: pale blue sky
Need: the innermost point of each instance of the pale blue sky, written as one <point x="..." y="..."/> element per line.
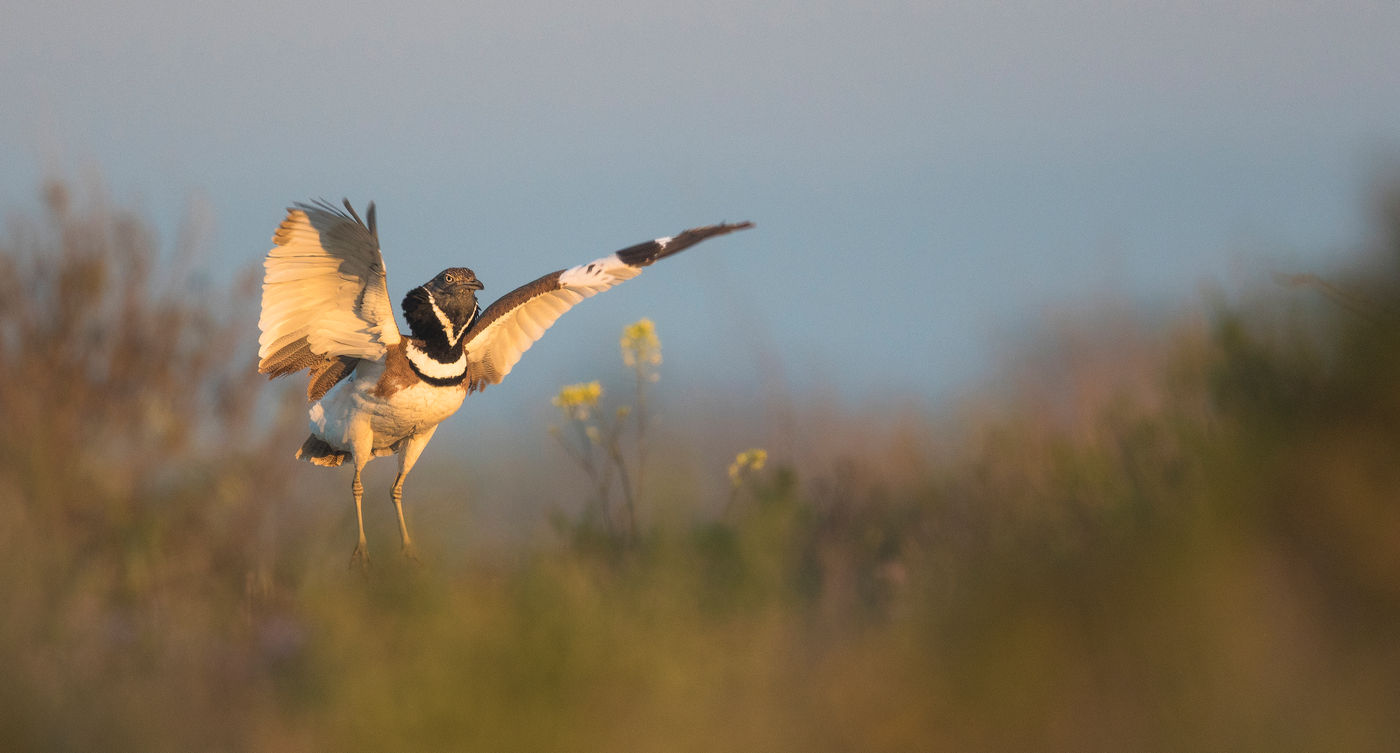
<point x="928" y="178"/>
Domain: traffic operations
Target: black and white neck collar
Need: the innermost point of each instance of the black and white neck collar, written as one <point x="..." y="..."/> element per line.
<point x="434" y="369"/>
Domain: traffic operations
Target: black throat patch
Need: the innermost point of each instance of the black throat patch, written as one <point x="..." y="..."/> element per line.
<point x="442" y="331"/>
<point x="436" y="351"/>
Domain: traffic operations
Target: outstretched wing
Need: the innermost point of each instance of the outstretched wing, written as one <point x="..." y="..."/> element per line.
<point x="508" y="327"/>
<point x="325" y="301"/>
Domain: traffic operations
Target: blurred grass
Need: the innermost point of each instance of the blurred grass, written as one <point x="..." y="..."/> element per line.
<point x="1180" y="537"/>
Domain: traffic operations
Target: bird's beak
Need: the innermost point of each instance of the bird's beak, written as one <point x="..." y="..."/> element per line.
<point x="476" y="285"/>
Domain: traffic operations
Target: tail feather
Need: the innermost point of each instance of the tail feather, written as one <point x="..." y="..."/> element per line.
<point x="319" y="452"/>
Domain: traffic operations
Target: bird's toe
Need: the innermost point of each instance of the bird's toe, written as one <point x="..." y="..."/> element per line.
<point x="359" y="559"/>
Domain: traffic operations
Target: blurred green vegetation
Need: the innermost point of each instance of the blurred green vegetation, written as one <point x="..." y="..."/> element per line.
<point x="1188" y="541"/>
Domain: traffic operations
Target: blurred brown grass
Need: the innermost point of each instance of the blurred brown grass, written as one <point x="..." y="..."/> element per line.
<point x="1180" y="536"/>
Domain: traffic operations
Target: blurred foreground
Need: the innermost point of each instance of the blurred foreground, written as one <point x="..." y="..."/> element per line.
<point x="1183" y="536"/>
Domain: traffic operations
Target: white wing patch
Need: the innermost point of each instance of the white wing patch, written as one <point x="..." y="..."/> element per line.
<point x="496" y="349"/>
<point x="597" y="276"/>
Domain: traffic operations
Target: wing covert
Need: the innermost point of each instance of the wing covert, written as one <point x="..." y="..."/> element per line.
<point x="325" y="297"/>
<point x="508" y="327"/>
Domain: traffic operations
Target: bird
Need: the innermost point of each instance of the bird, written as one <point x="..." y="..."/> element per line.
<point x="377" y="391"/>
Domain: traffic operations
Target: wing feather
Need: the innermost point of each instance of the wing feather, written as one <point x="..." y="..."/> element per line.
<point x="508" y="327"/>
<point x="325" y="297"/>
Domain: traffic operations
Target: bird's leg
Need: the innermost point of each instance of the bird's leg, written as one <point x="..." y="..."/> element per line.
<point x="360" y="557"/>
<point x="409" y="550"/>
<point x="408" y="455"/>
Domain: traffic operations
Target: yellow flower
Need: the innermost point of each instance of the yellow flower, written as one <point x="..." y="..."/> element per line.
<point x="745" y="462"/>
<point x="578" y="400"/>
<point x="640" y="345"/>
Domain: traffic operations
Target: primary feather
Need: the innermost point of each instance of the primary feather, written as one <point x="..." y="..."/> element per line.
<point x="325" y="296"/>
<point x="508" y="327"/>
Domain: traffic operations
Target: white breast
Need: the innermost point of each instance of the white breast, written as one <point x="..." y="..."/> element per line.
<point x="351" y="413"/>
<point x="412" y="410"/>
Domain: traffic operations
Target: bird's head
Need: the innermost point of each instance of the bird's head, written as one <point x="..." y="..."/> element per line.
<point x="454" y="290"/>
<point x="444" y="305"/>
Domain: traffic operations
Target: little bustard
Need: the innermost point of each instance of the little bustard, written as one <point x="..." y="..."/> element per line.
<point x="376" y="391"/>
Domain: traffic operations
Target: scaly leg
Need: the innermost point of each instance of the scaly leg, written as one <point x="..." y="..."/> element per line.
<point x="360" y="557"/>
<point x="408" y="455"/>
<point x="409" y="551"/>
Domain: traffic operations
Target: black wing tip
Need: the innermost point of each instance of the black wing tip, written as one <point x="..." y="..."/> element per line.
<point x="369" y="225"/>
<point x="650" y="252"/>
<point x="322" y="205"/>
<point x="710" y="231"/>
<point x="318" y="204"/>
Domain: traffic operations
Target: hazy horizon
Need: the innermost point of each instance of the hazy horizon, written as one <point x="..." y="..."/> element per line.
<point x="928" y="179"/>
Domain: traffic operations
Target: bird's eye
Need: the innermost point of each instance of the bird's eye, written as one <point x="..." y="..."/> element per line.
<point x="450" y="278"/>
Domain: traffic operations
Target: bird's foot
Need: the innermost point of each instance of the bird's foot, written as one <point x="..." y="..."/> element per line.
<point x="359" y="559"/>
<point x="410" y="555"/>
